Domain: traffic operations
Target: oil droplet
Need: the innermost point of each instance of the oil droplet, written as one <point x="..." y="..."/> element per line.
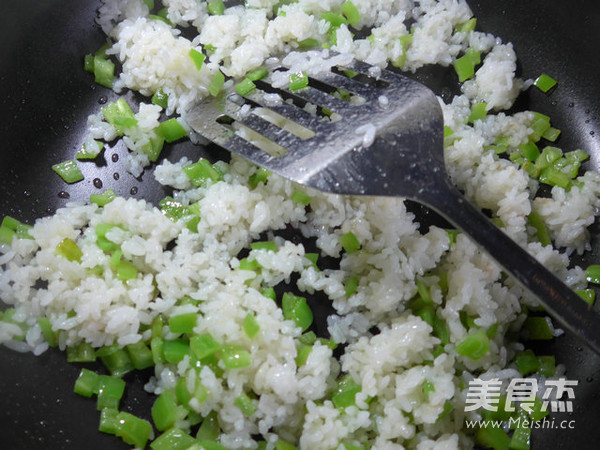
<point x="114" y="157"/>
<point x="446" y="93"/>
<point x="26" y="194"/>
<point x="589" y="379"/>
<point x="97" y="183"/>
<point x="102" y="100"/>
<point x="592" y="133"/>
<point x="116" y="175"/>
<point x="63" y="194"/>
<point x="571" y="104"/>
<point x="133" y="190"/>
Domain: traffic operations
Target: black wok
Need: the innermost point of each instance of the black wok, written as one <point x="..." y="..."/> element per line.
<point x="45" y="97"/>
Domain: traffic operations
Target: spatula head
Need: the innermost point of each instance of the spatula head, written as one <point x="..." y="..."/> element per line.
<point x="354" y="130"/>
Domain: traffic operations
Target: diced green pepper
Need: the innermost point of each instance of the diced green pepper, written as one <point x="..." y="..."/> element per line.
<point x="464" y="67"/>
<point x="547" y="366"/>
<point x="209" y="428"/>
<point x="49" y="335"/>
<point x="203" y="345"/>
<point x="544" y="82"/>
<point x="161" y="16"/>
<point x="492" y="437"/>
<point x="250" y="326"/>
<point x="538" y="328"/>
<point x="249" y="264"/>
<point x="116" y="360"/>
<point x="257" y="74"/>
<point x="520" y="438"/>
<point x="592" y="273"/>
<point x="183" y="323"/>
<point x="270" y="246"/>
<point x="269" y="292"/>
<point x="164" y="410"/>
<point x="197" y="58"/>
<point x="298" y="81"/>
<point x="245" y="404"/>
<point x="244" y="87"/>
<point x="234" y="357"/>
<point x="345" y="392"/>
<point x="69" y="249"/>
<point x="89" y="150"/>
<point x="474" y="345"/>
<point x="133" y="430"/>
<point x="160" y="98"/>
<point x="349" y="242"/>
<point x="216" y="84"/>
<point x="530" y="151"/>
<point x="6" y="235"/>
<point x="283" y="445"/>
<point x="156" y="347"/>
<point x="216" y="7"/>
<point x="88" y="63"/>
<point x="428" y="387"/>
<point x="440" y="330"/>
<point x="171" y="130"/>
<point x="308" y="43"/>
<point x="313" y="258"/>
<point x="104" y="71"/>
<point x="350" y="285"/>
<point x="588" y="295"/>
<point x="202" y="172"/>
<point x="304" y="352"/>
<point x="120" y="115"/>
<point x="211" y="445"/>
<point x="260" y="176"/>
<point x="548" y="157"/>
<point x="83" y="352"/>
<point x="467" y="26"/>
<point x="153" y="147"/>
<point x="478" y="112"/>
<point x="173" y="439"/>
<point x="295" y="308"/>
<point x="554" y="177"/>
<point x="87" y="383"/>
<point x="175" y="350"/>
<point x="474" y="55"/>
<point x="108" y="421"/>
<point x="527" y="362"/>
<point x="334" y="19"/>
<point x="141" y="355"/>
<point x="103" y="199"/>
<point x="68" y="171"/>
<point x="551" y="134"/>
<point x="351" y="12"/>
<point x="110" y="391"/>
<point x="301" y="197"/>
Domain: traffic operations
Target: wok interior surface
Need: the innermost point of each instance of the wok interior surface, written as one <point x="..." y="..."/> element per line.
<point x="45" y="97"/>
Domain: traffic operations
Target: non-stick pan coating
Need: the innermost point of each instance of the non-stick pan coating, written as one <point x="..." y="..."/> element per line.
<point x="45" y="97"/>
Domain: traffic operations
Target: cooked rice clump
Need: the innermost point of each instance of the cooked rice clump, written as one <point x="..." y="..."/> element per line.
<point x="388" y="351"/>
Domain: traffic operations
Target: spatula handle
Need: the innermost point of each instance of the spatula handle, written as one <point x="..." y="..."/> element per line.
<point x="558" y="299"/>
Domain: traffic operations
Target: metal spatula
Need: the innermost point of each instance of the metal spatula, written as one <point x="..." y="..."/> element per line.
<point x="404" y="159"/>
